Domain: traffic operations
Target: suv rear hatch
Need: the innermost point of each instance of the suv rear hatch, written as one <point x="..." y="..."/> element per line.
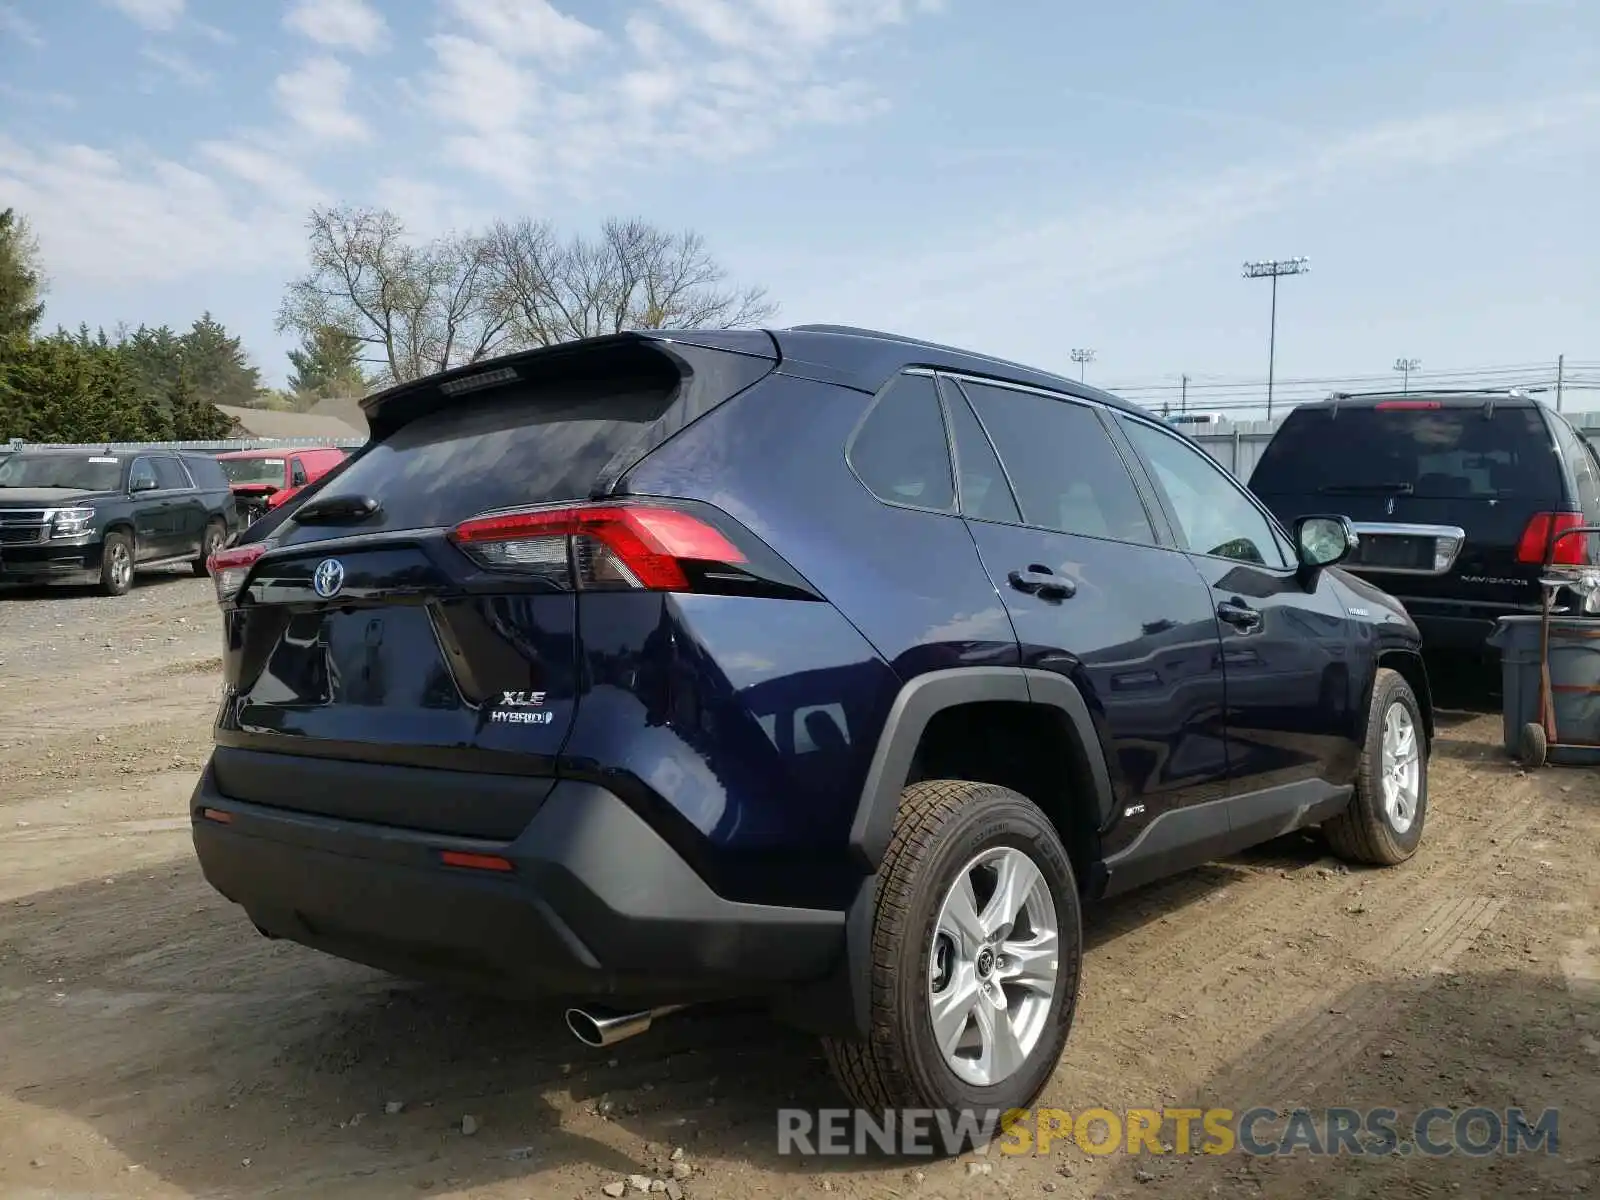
<point x="382" y="620"/>
<point x="1453" y="498"/>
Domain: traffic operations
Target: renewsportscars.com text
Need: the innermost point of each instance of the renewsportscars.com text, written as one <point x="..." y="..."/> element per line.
<point x="1259" y="1131"/>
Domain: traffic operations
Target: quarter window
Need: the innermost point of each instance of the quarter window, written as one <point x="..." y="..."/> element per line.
<point x="1066" y="472"/>
<point x="1214" y="516"/>
<point x="901" y="452"/>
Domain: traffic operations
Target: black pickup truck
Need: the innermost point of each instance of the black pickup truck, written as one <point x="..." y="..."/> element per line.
<point x="78" y="516"/>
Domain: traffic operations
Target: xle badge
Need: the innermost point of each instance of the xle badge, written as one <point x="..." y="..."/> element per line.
<point x="515" y="709"/>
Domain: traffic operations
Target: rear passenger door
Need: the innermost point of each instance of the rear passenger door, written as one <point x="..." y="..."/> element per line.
<point x="152" y="522"/>
<point x="1295" y="709"/>
<point x="1073" y="549"/>
<point x="185" y="508"/>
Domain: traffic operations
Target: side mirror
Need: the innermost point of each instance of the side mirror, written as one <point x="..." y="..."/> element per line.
<point x="1324" y="541"/>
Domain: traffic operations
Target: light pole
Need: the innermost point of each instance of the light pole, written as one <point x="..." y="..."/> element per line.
<point x="1405" y="366"/>
<point x="1270" y="269"/>
<point x="1083" y="358"/>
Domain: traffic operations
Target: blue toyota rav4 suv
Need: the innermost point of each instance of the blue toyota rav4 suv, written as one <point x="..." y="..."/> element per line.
<point x="816" y="665"/>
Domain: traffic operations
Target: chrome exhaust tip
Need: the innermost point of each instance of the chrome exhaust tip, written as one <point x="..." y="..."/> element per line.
<point x="600" y="1029"/>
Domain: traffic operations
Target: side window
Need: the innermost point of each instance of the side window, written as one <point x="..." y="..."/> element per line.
<point x="1580" y="463"/>
<point x="985" y="494"/>
<point x="1066" y="471"/>
<point x="1215" y="517"/>
<point x="901" y="452"/>
<point x="297" y="473"/>
<point x="169" y="475"/>
<point x="142" y="475"/>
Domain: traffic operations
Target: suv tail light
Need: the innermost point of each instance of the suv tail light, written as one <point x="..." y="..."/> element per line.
<point x="228" y="568"/>
<point x="614" y="546"/>
<point x="1542" y="528"/>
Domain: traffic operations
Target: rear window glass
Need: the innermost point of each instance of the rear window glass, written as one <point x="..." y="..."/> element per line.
<point x="499" y="450"/>
<point x="1440" y="454"/>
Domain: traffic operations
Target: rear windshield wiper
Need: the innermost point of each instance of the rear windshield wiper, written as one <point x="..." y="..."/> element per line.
<point x="1379" y="489"/>
<point x="337" y="510"/>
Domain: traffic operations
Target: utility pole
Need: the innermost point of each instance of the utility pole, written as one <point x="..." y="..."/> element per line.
<point x="1561" y="372"/>
<point x="1271" y="269"/>
<point x="1405" y="366"/>
<point x="1183" y="396"/>
<point x="1083" y="358"/>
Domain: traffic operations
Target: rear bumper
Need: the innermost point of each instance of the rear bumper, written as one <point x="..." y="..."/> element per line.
<point x="596" y="906"/>
<point x="1458" y="625"/>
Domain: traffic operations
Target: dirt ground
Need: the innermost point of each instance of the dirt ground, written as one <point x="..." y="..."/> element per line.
<point x="151" y="1044"/>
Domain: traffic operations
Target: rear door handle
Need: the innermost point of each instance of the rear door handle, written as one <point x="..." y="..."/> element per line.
<point x="1043" y="582"/>
<point x="1239" y="614"/>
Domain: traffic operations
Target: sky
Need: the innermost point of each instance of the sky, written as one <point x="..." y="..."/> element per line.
<point x="1018" y="177"/>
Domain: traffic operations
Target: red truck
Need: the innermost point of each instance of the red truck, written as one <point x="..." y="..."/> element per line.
<point x="264" y="479"/>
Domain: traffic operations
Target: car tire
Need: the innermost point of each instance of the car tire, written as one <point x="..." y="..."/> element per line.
<point x="116" y="564"/>
<point x="214" y="538"/>
<point x="1383" y="825"/>
<point x="927" y="947"/>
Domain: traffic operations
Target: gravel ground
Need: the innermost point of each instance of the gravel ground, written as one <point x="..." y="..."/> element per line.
<point x="151" y="1044"/>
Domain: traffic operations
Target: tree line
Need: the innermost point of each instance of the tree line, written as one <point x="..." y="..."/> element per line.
<point x="409" y="308"/>
<point x="375" y="306"/>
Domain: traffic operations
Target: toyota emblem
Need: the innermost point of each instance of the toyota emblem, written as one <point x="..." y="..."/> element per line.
<point x="328" y="578"/>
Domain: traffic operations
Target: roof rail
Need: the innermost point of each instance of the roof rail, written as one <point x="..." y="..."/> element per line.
<point x="904" y="340"/>
<point x="1517" y="391"/>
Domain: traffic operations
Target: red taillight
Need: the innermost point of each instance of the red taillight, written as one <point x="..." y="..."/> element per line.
<point x="475" y="862"/>
<point x="1542" y="528"/>
<point x="228" y="568"/>
<point x="1391" y="405"/>
<point x="611" y="545"/>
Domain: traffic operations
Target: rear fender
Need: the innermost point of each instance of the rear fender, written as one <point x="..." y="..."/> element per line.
<point x="840" y="1006"/>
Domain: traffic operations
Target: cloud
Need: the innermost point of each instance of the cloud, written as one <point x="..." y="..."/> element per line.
<point x="110" y="221"/>
<point x="59" y="100"/>
<point x="532" y="28"/>
<point x="177" y="65"/>
<point x="1105" y="247"/>
<point x="702" y="79"/>
<point x="314" y="96"/>
<point x="14" y="24"/>
<point x="346" y="24"/>
<point x="152" y="14"/>
<point x="266" y="171"/>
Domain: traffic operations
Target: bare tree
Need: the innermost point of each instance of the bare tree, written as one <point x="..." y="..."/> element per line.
<point x="633" y="276"/>
<point x="415" y="309"/>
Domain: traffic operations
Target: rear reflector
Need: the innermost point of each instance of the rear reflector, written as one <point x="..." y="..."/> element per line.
<point x="228" y="568"/>
<point x="475" y="862"/>
<point x="1542" y="528"/>
<point x="217" y="815"/>
<point x="1391" y="405"/>
<point x="605" y="546"/>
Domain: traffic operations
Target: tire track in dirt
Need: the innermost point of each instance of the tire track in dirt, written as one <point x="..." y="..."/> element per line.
<point x="1208" y="968"/>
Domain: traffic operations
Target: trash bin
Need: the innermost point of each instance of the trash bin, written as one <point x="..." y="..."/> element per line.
<point x="1574" y="683"/>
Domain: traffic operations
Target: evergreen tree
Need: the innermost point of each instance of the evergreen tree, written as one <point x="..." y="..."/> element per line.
<point x="219" y="371"/>
<point x="20" y="285"/>
<point x="327" y="364"/>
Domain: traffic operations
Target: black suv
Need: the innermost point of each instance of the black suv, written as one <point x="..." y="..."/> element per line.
<point x="817" y="665"/>
<point x="1455" y="496"/>
<point x="80" y="516"/>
